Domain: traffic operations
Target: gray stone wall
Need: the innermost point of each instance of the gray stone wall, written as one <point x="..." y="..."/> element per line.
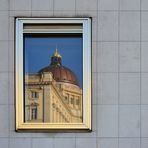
<point x="120" y="73"/>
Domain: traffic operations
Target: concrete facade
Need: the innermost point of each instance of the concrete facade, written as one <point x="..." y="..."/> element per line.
<point x="120" y="73"/>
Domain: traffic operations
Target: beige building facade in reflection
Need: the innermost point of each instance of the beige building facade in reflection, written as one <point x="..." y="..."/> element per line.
<point x="53" y="94"/>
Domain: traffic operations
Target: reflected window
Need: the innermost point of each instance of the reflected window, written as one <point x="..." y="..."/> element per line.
<point x="34" y="94"/>
<point x="77" y="102"/>
<point x="72" y="100"/>
<point x="34" y="113"/>
<point x="66" y="99"/>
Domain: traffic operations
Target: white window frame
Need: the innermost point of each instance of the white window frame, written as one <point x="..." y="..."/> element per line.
<point x="19" y="82"/>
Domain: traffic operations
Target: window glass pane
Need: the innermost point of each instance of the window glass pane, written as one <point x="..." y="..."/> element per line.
<point x="53" y="67"/>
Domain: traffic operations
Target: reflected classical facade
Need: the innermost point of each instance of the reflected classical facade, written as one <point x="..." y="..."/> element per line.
<point x="53" y="94"/>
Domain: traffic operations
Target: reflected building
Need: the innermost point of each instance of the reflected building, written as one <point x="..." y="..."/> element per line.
<point x="53" y="94"/>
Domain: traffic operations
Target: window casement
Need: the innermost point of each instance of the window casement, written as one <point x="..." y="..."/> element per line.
<point x="42" y="71"/>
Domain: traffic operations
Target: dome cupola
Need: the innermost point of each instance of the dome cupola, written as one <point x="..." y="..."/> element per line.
<point x="60" y="72"/>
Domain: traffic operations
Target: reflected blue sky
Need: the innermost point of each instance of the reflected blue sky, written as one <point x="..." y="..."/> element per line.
<point x="38" y="52"/>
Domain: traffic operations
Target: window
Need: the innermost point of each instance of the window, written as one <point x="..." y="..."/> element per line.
<point x="34" y="113"/>
<point x="77" y="102"/>
<point x="72" y="100"/>
<point x="53" y="57"/>
<point x="34" y="94"/>
<point x="67" y="98"/>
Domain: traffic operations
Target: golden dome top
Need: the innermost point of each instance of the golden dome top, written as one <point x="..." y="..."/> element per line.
<point x="56" y="54"/>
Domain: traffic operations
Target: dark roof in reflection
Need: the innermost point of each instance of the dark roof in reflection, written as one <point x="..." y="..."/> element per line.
<point x="60" y="72"/>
